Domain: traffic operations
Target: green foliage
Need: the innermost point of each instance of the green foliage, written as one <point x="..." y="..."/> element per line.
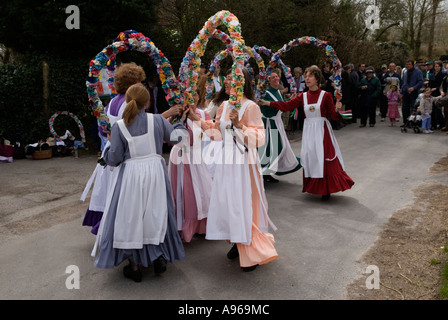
<point x="395" y="51"/>
<point x="434" y="261"/>
<point x="269" y="23"/>
<point x="443" y="292"/>
<point x="36" y="31"/>
<point x="22" y="116"/>
<point x="39" y="25"/>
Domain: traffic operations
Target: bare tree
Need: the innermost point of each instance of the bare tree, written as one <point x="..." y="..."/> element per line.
<point x="418" y="12"/>
<point x="434" y="12"/>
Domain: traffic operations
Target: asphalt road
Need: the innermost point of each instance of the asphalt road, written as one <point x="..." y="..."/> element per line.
<point x="319" y="243"/>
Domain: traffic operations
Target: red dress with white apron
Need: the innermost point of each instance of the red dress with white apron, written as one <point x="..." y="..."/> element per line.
<point x="323" y="167"/>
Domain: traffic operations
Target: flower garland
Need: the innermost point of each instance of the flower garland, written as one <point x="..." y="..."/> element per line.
<point x="286" y="70"/>
<point x="212" y="68"/>
<point x="329" y="51"/>
<point x="80" y="126"/>
<point x="188" y="73"/>
<point x="248" y="53"/>
<point x="127" y="41"/>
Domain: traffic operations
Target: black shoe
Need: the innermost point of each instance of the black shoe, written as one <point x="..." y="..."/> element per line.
<point x="135" y="275"/>
<point x="362" y="126"/>
<point x="249" y="269"/>
<point x="372" y="125"/>
<point x="326" y="197"/>
<point x="233" y="252"/>
<point x="269" y="178"/>
<point x="160" y="265"/>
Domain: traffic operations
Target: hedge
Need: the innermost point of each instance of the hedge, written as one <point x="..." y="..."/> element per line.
<point x="22" y="114"/>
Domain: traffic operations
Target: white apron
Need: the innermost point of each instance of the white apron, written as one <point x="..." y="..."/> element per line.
<point x="200" y="173"/>
<point x="101" y="175"/>
<point x="210" y="149"/>
<point x="230" y="212"/>
<point x="312" y="153"/>
<point x="286" y="160"/>
<point x="142" y="209"/>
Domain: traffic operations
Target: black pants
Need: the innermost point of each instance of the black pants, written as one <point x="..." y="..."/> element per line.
<point x="407" y="106"/>
<point x="383" y="106"/>
<point x="356" y="106"/>
<point x="368" y="110"/>
<point x="437" y="118"/>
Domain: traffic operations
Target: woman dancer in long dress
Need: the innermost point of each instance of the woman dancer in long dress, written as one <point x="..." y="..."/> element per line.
<point x="191" y="181"/>
<point x="139" y="222"/>
<point x="323" y="167"/>
<point x="238" y="206"/>
<point x="126" y="75"/>
<point x="276" y="155"/>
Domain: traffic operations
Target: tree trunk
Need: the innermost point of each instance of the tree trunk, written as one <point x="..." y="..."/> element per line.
<point x="45" y="73"/>
<point x="418" y="39"/>
<point x="411" y="5"/>
<point x="435" y="5"/>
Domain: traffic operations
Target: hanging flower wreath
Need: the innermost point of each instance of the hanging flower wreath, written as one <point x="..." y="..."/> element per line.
<point x="188" y="73"/>
<point x="127" y="41"/>
<point x="78" y="122"/>
<point x="329" y="51"/>
<point x="248" y="53"/>
<point x="286" y="70"/>
<point x="212" y="68"/>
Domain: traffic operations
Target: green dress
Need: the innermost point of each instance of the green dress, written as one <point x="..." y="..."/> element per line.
<point x="276" y="155"/>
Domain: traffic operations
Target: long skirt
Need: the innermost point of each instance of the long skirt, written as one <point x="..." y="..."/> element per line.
<point x="335" y="178"/>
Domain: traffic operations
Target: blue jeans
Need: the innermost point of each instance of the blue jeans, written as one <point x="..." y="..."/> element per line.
<point x="426" y="123"/>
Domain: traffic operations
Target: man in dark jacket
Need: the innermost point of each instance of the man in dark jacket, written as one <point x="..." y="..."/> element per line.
<point x="370" y="88"/>
<point x="410" y="86"/>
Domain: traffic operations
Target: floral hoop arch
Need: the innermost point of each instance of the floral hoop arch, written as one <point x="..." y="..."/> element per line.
<point x="127" y="41"/>
<point x="329" y="51"/>
<point x="188" y="73"/>
<point x="78" y="122"/>
<point x="248" y="53"/>
<point x="286" y="70"/>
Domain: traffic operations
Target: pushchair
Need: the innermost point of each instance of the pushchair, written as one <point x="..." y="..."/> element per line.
<point x="414" y="121"/>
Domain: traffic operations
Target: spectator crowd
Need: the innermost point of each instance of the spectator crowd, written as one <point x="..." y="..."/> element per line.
<point x="393" y="93"/>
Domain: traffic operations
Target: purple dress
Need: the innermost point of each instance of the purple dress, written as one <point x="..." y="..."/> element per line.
<point x="94" y="213"/>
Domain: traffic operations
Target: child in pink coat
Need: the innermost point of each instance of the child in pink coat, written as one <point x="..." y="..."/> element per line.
<point x="393" y="98"/>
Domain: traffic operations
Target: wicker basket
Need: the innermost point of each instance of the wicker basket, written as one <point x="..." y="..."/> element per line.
<point x="43" y="154"/>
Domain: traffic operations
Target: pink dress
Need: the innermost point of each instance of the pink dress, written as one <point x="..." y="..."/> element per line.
<point x="191" y="184"/>
<point x="392" y="108"/>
